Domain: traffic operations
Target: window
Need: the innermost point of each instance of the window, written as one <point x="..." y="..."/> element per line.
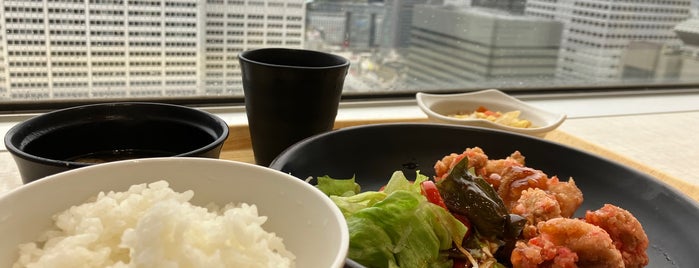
<point x="74" y="50"/>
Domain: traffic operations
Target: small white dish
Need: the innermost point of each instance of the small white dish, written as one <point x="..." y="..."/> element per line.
<point x="438" y="107"/>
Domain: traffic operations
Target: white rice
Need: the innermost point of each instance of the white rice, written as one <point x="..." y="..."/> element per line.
<point x="154" y="226"/>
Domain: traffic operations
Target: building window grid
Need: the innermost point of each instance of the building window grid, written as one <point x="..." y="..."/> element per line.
<point x="106" y="21"/>
<point x="107" y="2"/>
<point x="144" y="3"/>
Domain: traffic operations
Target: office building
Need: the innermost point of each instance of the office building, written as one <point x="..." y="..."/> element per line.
<point x="688" y="32"/>
<point x="64" y="49"/>
<point x="645" y="62"/>
<point x="397" y="22"/>
<point x="233" y="26"/>
<point x="475" y="46"/>
<point x="596" y="33"/>
<point x="511" y="6"/>
<point x="329" y="26"/>
<point x="652" y="62"/>
<point x="350" y="24"/>
<point x="67" y="49"/>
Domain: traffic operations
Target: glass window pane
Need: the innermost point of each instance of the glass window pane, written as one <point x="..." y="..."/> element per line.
<point x="146" y="49"/>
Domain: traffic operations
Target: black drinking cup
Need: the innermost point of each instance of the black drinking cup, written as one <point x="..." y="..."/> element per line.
<point x="290" y="94"/>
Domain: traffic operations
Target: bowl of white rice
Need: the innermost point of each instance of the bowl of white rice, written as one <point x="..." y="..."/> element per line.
<point x="171" y="212"/>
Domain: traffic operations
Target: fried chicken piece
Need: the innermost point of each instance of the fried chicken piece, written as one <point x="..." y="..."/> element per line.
<point x="495" y="168"/>
<point x="538" y="252"/>
<point x="568" y="195"/>
<point x="626" y="232"/>
<point x="516" y="179"/>
<point x="442" y="167"/>
<point x="490" y="170"/>
<point x="565" y="242"/>
<point x="537" y="205"/>
<point x="498" y="165"/>
<point x="477" y="159"/>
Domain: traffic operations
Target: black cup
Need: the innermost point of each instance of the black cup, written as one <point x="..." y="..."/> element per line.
<point x="290" y="94"/>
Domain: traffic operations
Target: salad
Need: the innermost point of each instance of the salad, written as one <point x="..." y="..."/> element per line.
<point x="478" y="212"/>
<point x="409" y="223"/>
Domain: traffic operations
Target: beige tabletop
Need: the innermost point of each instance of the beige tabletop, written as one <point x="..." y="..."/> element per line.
<point x="666" y="142"/>
<point x="661" y="145"/>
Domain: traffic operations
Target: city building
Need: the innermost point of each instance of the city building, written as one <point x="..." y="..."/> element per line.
<point x="350" y="24"/>
<point x="233" y="26"/>
<point x="460" y="46"/>
<point x="645" y="62"/>
<point x="688" y="32"/>
<point x="328" y="27"/>
<point x="596" y="33"/>
<point x="3" y="67"/>
<point x="397" y="22"/>
<point x="64" y="49"/>
<point x="512" y="6"/>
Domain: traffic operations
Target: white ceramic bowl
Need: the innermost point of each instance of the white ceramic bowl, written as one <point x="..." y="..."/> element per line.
<point x="311" y="226"/>
<point x="438" y="107"/>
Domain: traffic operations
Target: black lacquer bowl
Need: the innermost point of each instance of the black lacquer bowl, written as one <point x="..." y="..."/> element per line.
<point x="86" y="135"/>
<point x="373" y="152"/>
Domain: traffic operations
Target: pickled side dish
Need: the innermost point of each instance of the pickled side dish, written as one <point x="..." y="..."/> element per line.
<point x="509" y="118"/>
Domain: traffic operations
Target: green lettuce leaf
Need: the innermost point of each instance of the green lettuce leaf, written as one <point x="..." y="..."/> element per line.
<point x="339" y="187"/>
<point x="398" y="181"/>
<point x="396" y="227"/>
<point x="351" y="204"/>
<point x="403" y="230"/>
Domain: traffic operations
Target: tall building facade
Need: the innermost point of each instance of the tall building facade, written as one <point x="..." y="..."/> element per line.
<point x="347" y="23"/>
<point x="452" y="47"/>
<point x="646" y="62"/>
<point x="596" y="33"/>
<point x="688" y="32"/>
<point x="63" y="49"/>
<point x="232" y="26"/>
<point x="398" y="19"/>
<point x="329" y="26"/>
<point x="512" y="6"/>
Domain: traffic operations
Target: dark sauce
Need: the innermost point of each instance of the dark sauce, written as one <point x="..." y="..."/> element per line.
<point x="117" y="155"/>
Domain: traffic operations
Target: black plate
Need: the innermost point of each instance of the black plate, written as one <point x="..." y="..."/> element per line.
<point x="373" y="152"/>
